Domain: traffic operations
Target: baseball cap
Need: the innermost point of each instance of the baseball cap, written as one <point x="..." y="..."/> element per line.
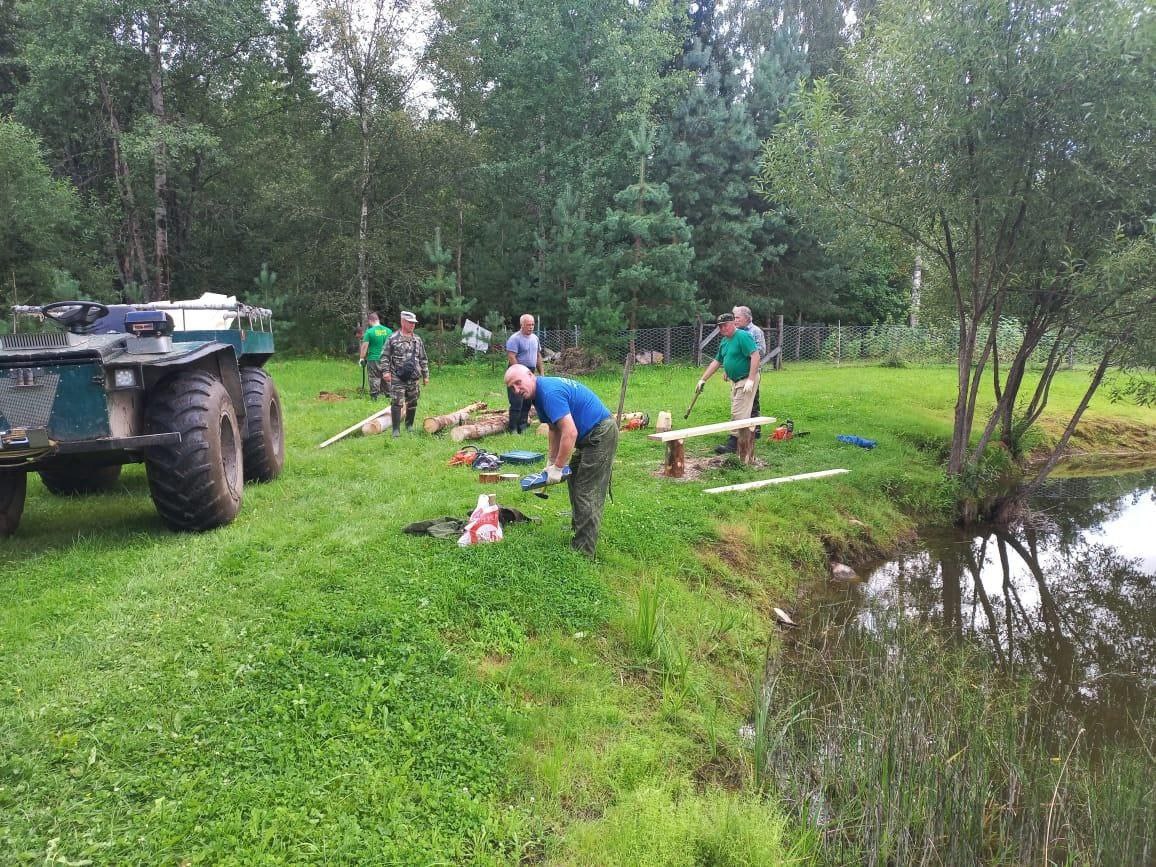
<point x="406" y="316"/>
<point x="722" y="317"/>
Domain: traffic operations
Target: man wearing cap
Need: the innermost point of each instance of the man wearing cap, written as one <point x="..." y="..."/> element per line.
<point x="372" y="342"/>
<point x="583" y="434"/>
<point x="405" y="364"/>
<point x="738" y="356"/>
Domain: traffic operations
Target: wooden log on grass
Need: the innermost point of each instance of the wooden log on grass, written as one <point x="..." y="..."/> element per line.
<point x="483" y="428"/>
<point x="353" y="427"/>
<point x="436" y="423"/>
<point x="377" y="425"/>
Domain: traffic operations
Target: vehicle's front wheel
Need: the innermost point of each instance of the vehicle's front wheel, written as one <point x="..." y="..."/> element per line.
<point x="68" y="481"/>
<point x="13" y="487"/>
<point x="264" y="447"/>
<point x="197" y="483"/>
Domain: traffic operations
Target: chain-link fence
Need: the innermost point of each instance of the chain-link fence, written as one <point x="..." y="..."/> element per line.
<point x="836" y="344"/>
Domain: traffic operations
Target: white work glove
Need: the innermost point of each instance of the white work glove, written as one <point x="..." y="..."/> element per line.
<point x="553" y="474"/>
<point x="361" y="361"/>
<point x="748" y="386"/>
<point x="701" y="385"/>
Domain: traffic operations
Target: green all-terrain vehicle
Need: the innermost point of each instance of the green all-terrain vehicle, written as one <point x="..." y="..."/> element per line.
<point x="179" y="386"/>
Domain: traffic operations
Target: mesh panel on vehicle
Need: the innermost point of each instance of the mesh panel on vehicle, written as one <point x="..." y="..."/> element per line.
<point x="27" y="395"/>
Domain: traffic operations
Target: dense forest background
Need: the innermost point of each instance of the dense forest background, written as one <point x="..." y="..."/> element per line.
<point x="593" y="161"/>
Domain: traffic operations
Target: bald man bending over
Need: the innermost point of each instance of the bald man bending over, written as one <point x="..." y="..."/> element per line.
<point x="583" y="434"/>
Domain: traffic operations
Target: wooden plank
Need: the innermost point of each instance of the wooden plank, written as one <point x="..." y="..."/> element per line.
<point x="707" y="429"/>
<point x="750" y="486"/>
<point x="353" y="427"/>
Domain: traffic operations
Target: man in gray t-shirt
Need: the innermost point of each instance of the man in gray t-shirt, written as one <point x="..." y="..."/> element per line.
<point x="522" y="348"/>
<point x="745" y="321"/>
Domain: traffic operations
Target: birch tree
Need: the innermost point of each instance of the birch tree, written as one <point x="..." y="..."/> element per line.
<point x="366" y="74"/>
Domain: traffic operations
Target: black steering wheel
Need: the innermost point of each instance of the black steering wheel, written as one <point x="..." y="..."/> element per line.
<point x="74" y="314"/>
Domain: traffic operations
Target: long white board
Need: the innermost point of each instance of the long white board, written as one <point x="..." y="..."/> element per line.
<point x="750" y="486"/>
<point x="703" y="430"/>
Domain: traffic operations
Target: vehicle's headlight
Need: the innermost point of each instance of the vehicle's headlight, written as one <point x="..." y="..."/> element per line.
<point x="124" y="378"/>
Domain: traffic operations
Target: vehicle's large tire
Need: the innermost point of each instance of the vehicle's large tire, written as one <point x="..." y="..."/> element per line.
<point x="196" y="484"/>
<point x="13" y="487"/>
<point x="264" y="447"/>
<point x="80" y="479"/>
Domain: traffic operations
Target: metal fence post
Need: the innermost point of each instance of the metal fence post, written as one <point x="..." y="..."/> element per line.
<point x="839" y="341"/>
<point x="698" y="341"/>
<point x="779" y="357"/>
<point x="666" y="355"/>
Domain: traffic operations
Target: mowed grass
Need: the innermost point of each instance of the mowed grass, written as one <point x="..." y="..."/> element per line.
<point x="308" y="685"/>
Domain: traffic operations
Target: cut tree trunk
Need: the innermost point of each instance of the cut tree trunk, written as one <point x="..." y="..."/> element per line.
<point x="353" y="427"/>
<point x="459" y="416"/>
<point x="746" y="445"/>
<point x="675" y="459"/>
<point x="377" y="425"/>
<point x="483" y="428"/>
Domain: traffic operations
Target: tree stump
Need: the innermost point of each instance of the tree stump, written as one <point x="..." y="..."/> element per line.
<point x="675" y="459"/>
<point x="746" y="445"/>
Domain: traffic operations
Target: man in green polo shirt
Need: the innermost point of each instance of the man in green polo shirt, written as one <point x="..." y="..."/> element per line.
<point x="738" y="356"/>
<point x="372" y="342"/>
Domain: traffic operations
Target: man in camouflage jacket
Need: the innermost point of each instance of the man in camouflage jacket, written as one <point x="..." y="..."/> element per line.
<point x="406" y="370"/>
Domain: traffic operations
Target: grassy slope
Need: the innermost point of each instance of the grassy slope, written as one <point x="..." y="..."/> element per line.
<point x="308" y="685"/>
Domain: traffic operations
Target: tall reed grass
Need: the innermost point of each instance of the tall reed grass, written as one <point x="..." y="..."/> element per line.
<point x="903" y="749"/>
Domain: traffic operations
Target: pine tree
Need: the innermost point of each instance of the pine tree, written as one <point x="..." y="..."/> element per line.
<point x="647" y="256"/>
<point x="443" y="302"/>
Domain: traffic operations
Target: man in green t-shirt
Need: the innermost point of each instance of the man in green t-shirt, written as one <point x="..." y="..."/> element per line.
<point x="738" y="356"/>
<point x="372" y="341"/>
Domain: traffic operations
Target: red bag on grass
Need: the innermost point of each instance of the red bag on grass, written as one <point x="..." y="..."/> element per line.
<point x="483" y="525"/>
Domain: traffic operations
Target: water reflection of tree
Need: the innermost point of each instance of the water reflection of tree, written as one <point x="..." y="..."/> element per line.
<point x="1070" y="507"/>
<point x="1086" y="631"/>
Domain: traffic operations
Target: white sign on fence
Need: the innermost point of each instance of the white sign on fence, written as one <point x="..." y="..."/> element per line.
<point x="476" y="337"/>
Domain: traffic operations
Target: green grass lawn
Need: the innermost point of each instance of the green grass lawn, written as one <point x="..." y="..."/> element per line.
<point x="308" y="685"/>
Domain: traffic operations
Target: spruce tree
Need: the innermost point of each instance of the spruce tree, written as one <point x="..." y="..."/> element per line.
<point x="565" y="260"/>
<point x="443" y="302"/>
<point x="708" y="155"/>
<point x="647" y="257"/>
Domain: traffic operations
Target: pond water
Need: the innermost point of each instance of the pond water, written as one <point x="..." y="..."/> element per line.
<point x="1068" y="597"/>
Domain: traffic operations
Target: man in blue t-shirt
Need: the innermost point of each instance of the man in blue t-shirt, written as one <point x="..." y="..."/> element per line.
<point x="738" y="356"/>
<point x="583" y="434"/>
<point x="522" y="348"/>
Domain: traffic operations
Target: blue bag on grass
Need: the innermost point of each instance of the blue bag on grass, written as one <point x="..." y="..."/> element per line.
<point x="856" y="441"/>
